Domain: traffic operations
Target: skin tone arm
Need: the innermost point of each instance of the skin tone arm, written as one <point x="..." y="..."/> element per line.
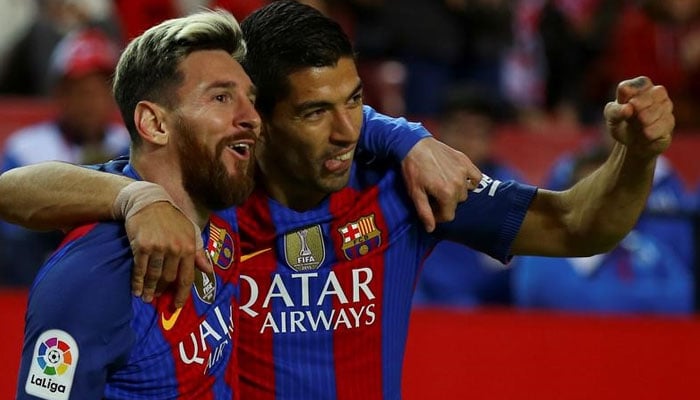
<point x="52" y="195"/>
<point x="597" y="212"/>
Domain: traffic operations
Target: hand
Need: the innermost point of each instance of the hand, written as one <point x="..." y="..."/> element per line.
<point x="433" y="170"/>
<point x="641" y="118"/>
<point x="166" y="246"/>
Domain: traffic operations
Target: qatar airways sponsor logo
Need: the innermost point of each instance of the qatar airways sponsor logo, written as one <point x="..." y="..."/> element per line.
<point x="209" y="344"/>
<point x="302" y="310"/>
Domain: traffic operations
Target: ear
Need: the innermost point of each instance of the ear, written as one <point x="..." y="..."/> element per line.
<point x="149" y="118"/>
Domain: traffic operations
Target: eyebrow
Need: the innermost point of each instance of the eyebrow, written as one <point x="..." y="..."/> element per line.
<point x="320" y="104"/>
<point x="230" y="85"/>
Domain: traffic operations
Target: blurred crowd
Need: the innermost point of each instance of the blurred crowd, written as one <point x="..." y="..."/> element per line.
<point x="543" y="58"/>
<point x="465" y="65"/>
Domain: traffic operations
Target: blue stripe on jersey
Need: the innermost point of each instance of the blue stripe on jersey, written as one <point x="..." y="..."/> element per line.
<point x="317" y="380"/>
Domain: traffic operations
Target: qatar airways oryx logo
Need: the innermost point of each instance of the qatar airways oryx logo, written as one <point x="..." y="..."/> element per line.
<point x="53" y="365"/>
<point x="210" y="343"/>
<point x="311" y="301"/>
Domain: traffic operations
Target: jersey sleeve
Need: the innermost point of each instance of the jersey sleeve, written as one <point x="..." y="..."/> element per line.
<point x="490" y="218"/>
<point x="78" y="319"/>
<point x="387" y="137"/>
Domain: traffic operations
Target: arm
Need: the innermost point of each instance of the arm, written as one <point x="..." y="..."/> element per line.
<point x="597" y="212"/>
<point x="53" y="195"/>
<point x="437" y="176"/>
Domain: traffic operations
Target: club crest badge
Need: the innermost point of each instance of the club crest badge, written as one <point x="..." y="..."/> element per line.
<point x="360" y="237"/>
<point x="304" y="249"/>
<point x="220" y="246"/>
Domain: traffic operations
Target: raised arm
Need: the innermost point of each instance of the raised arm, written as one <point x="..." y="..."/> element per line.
<point x="55" y="195"/>
<point x="597" y="212"/>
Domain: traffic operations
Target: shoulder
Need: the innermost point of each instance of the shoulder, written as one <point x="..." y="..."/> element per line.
<point x="376" y="120"/>
<point x="91" y="269"/>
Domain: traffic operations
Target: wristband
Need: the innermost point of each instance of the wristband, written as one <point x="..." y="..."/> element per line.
<point x="137" y="195"/>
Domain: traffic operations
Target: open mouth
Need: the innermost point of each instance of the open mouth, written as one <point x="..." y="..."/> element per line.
<point x="241" y="148"/>
<point x="341" y="162"/>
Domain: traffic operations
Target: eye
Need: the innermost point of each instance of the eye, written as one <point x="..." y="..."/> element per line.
<point x="356" y="99"/>
<point x="222" y="97"/>
<point x="314" y="114"/>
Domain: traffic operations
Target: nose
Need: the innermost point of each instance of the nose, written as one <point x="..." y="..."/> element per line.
<point x="344" y="129"/>
<point x="247" y="116"/>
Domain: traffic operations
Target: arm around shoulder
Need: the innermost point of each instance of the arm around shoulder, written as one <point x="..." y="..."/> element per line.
<point x="57" y="195"/>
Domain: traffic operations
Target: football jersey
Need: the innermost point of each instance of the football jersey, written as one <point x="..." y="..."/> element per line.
<point x="88" y="337"/>
<point x="326" y="293"/>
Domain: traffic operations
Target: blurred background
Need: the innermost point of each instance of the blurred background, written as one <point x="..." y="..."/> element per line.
<point x="519" y="86"/>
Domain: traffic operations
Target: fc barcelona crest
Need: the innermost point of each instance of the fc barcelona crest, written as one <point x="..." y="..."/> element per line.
<point x="360" y="237"/>
<point x="220" y="246"/>
<point x="304" y="249"/>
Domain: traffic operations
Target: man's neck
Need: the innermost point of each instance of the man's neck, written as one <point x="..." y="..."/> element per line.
<point x="170" y="178"/>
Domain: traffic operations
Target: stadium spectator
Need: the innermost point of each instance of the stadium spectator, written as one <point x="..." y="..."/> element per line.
<point x="645" y="273"/>
<point x="661" y="38"/>
<point x="454" y="274"/>
<point x="82" y="131"/>
<point x="27" y="67"/>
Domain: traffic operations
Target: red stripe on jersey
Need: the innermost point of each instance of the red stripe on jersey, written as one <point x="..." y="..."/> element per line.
<point x="75" y="234"/>
<point x="258" y="261"/>
<point x="192" y="384"/>
<point x="358" y="350"/>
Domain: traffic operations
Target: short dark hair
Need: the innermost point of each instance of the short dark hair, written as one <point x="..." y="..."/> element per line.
<point x="284" y="37"/>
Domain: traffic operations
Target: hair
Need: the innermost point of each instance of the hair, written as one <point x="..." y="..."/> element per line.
<point x="148" y="69"/>
<point x="284" y="37"/>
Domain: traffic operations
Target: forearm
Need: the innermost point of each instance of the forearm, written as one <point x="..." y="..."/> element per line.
<point x="56" y="195"/>
<point x="605" y="206"/>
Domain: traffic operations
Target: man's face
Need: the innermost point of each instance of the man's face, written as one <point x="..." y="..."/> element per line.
<point x="86" y="104"/>
<point x="216" y="127"/>
<point x="310" y="139"/>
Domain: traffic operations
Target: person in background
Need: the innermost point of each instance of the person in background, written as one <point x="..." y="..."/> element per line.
<point x="643" y="274"/>
<point x="667" y="214"/>
<point x="666" y="37"/>
<point x="83" y="131"/>
<point x="454" y="274"/>
<point x="27" y="66"/>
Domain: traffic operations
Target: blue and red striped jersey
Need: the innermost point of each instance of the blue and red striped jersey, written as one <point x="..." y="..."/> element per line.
<point x="87" y="337"/>
<point x="326" y="294"/>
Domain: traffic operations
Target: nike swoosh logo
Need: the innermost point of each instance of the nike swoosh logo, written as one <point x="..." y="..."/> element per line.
<point x="168" y="323"/>
<point x="245" y="257"/>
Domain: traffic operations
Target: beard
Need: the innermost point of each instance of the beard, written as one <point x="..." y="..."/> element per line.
<point x="206" y="178"/>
